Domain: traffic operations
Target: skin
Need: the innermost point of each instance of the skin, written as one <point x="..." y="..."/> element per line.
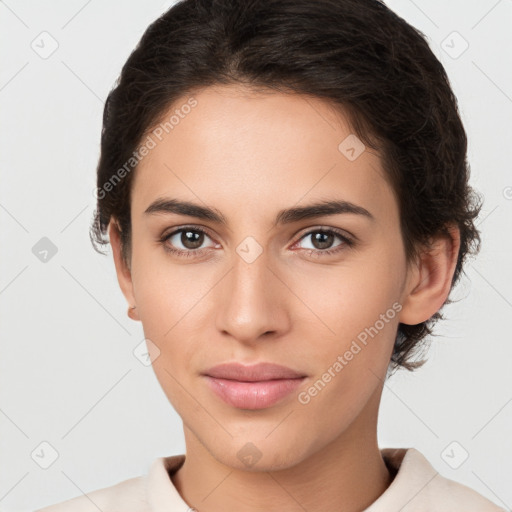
<point x="249" y="155"/>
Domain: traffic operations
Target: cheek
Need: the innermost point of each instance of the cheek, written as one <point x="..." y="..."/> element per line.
<point x="171" y="301"/>
<point x="343" y="300"/>
<point x="350" y="368"/>
<point x="357" y="310"/>
<point x="165" y="291"/>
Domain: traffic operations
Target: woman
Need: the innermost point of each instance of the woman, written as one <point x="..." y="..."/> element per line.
<point x="285" y="189"/>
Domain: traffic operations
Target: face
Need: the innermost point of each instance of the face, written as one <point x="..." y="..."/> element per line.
<point x="322" y="295"/>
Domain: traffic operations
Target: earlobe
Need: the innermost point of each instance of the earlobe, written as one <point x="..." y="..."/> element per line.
<point x="123" y="272"/>
<point x="430" y="280"/>
<point x="132" y="313"/>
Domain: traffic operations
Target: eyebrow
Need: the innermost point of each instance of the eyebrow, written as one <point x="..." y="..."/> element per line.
<point x="286" y="216"/>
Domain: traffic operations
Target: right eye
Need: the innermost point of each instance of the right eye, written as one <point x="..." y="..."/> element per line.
<point x="191" y="239"/>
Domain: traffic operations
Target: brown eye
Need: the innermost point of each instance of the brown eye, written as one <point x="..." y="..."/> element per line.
<point x="323" y="242"/>
<point x="187" y="241"/>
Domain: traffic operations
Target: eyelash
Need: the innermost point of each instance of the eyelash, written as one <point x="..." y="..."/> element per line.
<point x="197" y="252"/>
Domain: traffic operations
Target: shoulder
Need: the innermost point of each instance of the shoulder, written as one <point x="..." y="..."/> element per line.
<point x="154" y="490"/>
<point x="128" y="496"/>
<point x="419" y="487"/>
<point x="455" y="495"/>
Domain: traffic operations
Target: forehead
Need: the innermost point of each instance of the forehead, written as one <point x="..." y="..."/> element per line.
<point x="256" y="150"/>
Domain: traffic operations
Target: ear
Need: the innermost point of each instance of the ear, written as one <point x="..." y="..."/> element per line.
<point x="124" y="277"/>
<point x="429" y="281"/>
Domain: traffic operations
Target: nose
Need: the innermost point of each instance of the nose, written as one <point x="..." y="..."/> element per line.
<point x="252" y="300"/>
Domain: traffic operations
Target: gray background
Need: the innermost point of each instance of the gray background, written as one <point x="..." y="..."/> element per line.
<point x="68" y="375"/>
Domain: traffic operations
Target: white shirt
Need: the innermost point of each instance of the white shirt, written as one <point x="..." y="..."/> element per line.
<point x="417" y="487"/>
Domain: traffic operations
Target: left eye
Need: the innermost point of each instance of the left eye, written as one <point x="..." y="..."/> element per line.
<point x="322" y="240"/>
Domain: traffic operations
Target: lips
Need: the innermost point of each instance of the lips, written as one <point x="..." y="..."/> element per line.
<point x="253" y="387"/>
<point x="254" y="373"/>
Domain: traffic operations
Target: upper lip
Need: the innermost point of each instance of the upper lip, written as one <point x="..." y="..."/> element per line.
<point x="254" y="373"/>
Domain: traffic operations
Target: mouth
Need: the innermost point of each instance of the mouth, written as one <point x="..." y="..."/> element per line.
<point x="253" y="387"/>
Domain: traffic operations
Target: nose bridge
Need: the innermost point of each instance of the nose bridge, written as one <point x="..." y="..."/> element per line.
<point x="250" y="272"/>
<point x="249" y="300"/>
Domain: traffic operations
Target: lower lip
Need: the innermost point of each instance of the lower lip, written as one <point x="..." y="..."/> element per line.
<point x="253" y="395"/>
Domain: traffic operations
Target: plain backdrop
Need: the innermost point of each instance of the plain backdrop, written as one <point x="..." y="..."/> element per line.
<point x="74" y="397"/>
